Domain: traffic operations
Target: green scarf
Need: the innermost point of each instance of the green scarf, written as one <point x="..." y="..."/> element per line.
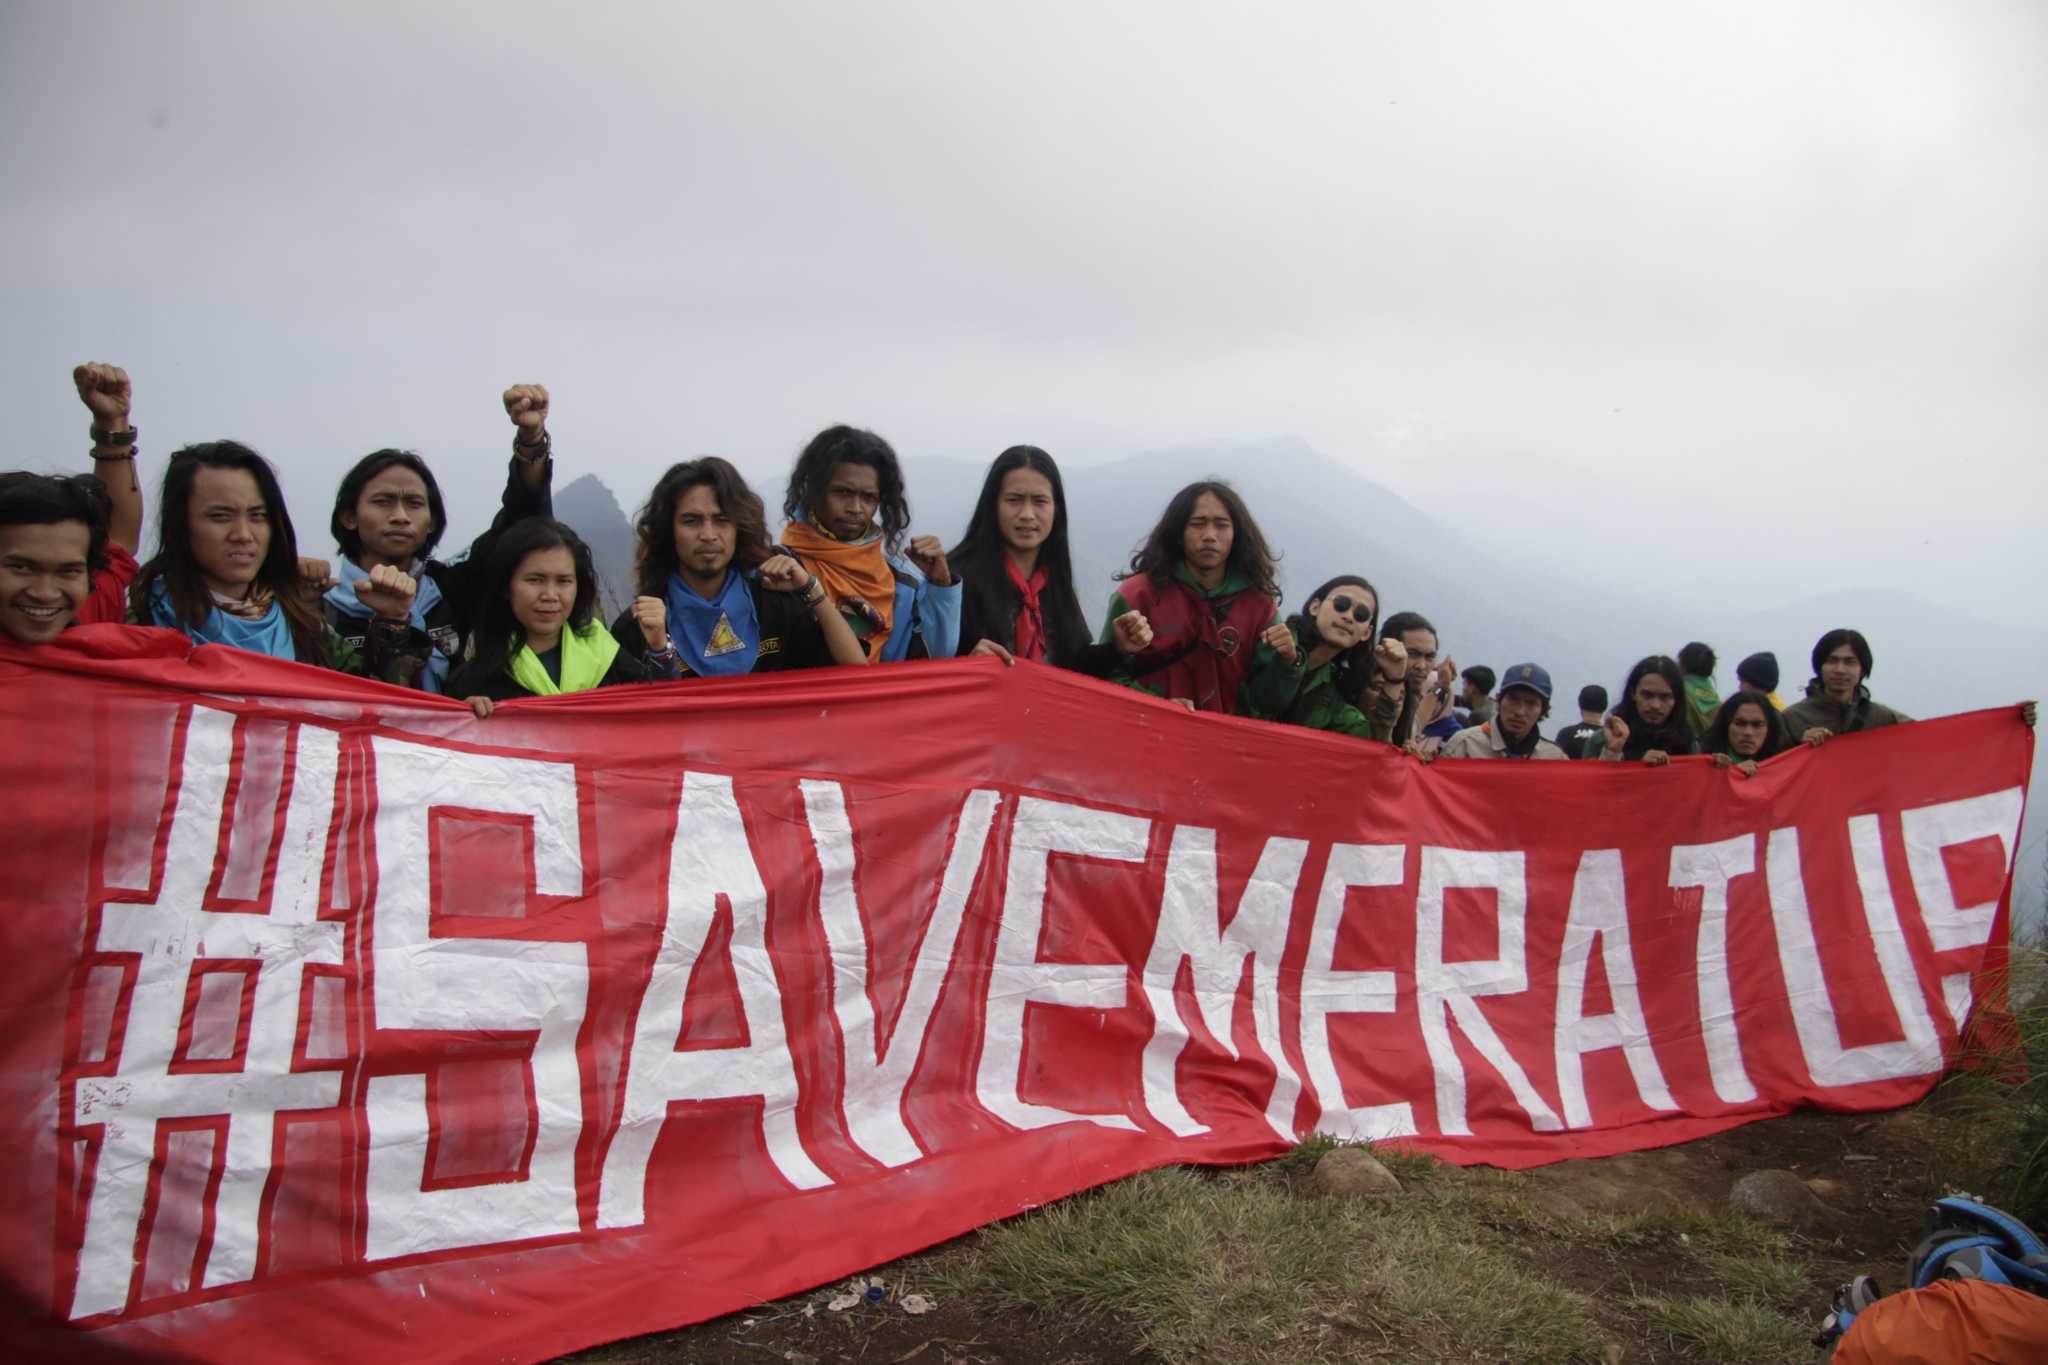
<point x="586" y="657"/>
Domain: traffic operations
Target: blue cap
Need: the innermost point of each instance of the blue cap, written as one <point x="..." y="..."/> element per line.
<point x="1531" y="676"/>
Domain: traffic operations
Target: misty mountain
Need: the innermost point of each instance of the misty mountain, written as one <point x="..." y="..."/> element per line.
<point x="588" y="505"/>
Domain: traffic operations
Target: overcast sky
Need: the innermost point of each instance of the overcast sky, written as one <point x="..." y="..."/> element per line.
<point x="1752" y="297"/>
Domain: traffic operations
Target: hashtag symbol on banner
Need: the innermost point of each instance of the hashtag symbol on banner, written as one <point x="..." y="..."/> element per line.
<point x="173" y="938"/>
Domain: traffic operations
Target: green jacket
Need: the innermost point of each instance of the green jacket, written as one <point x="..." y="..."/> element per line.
<point x="1822" y="711"/>
<point x="1316" y="703"/>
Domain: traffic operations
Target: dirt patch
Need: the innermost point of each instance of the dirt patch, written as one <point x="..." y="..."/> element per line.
<point x="1617" y="1231"/>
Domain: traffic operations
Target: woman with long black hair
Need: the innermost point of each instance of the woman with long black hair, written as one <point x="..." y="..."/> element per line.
<point x="1745" y="732"/>
<point x="226" y="571"/>
<point x="1344" y="681"/>
<point x="1650" y="723"/>
<point x="537" y="632"/>
<point x="1017" y="575"/>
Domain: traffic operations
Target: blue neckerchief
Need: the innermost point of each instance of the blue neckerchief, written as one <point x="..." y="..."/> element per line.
<point x="271" y="635"/>
<point x="342" y="597"/>
<point x="719" y="636"/>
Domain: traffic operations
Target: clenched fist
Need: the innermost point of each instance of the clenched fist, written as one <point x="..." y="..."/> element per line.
<point x="1281" y="640"/>
<point x="781" y="573"/>
<point x="651" y="615"/>
<point x="388" y="591"/>
<point x="1133" y="632"/>
<point x="106" y="393"/>
<point x="1616" y="731"/>
<point x="315" y="576"/>
<point x="1393" y="660"/>
<point x="527" y="406"/>
<point x="929" y="554"/>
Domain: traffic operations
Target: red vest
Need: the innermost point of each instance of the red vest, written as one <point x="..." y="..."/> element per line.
<point x="1201" y="646"/>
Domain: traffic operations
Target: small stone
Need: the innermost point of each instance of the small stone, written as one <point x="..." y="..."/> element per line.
<point x="916" y="1304"/>
<point x="1352" y="1172"/>
<point x="1780" y="1198"/>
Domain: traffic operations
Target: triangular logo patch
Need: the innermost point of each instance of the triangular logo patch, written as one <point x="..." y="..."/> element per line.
<point x="722" y="640"/>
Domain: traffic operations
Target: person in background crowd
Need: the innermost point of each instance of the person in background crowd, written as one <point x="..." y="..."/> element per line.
<point x="53" y="552"/>
<point x="1759" y="673"/>
<point x="1745" y="732"/>
<point x="1837" y="702"/>
<point x="1475" y="696"/>
<point x="1337" y="669"/>
<point x="1204" y="581"/>
<point x="227" y="571"/>
<point x="1514" y="731"/>
<point x="1702" y="699"/>
<point x="847" y="518"/>
<point x="1017" y="575"/>
<point x="107" y="395"/>
<point x="1592" y="709"/>
<point x="1650" y="723"/>
<point x="388" y="511"/>
<point x="536" y="635"/>
<point x="735" y="603"/>
<point x="1417" y="638"/>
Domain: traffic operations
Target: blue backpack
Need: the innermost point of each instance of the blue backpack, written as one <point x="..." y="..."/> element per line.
<point x="1966" y="1239"/>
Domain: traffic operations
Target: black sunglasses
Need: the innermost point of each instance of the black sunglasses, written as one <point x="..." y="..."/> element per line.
<point x="1360" y="609"/>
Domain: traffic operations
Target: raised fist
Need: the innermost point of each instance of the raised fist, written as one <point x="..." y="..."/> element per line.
<point x="1393" y="657"/>
<point x="527" y="406"/>
<point x="651" y="615"/>
<point x="781" y="573"/>
<point x="106" y="392"/>
<point x="388" y="591"/>
<point x="1281" y="639"/>
<point x="930" y="557"/>
<point x="1133" y="632"/>
<point x="315" y="576"/>
<point x="1616" y="731"/>
<point x="1447" y="673"/>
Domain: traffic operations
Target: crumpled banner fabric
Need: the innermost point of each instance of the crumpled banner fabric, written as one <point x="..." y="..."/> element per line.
<point x="337" y="1023"/>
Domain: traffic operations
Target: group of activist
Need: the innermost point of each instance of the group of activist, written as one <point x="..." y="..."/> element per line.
<point x="1195" y="619"/>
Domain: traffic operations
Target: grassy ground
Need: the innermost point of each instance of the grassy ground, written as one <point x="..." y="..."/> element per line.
<point x="1631" y="1259"/>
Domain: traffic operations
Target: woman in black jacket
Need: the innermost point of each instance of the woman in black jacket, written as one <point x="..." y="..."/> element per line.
<point x="537" y="634"/>
<point x="1017" y="576"/>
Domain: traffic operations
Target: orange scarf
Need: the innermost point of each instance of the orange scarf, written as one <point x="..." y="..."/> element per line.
<point x="856" y="573"/>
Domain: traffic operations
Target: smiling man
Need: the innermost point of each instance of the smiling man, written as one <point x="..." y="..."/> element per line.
<point x="1520" y="706"/>
<point x="53" y="539"/>
<point x="848" y="518"/>
<point x="388" y="511"/>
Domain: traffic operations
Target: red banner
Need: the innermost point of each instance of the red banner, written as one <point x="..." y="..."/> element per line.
<point x="338" y="1021"/>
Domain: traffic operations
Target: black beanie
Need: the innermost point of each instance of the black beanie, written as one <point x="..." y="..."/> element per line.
<point x="1761" y="669"/>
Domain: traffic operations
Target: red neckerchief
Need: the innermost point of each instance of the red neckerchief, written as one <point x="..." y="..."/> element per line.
<point x="1030" y="619"/>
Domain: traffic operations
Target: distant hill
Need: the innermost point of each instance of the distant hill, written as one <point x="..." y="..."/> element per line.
<point x="588" y="505"/>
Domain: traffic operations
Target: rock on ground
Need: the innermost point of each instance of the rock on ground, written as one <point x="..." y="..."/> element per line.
<point x="1782" y="1199"/>
<point x="1352" y="1171"/>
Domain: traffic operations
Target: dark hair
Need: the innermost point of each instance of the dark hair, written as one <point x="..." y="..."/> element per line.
<point x="1481" y="677"/>
<point x="843" y="444"/>
<point x="1760" y="670"/>
<point x="351" y="492"/>
<point x="654" y="559"/>
<point x="1352" y="668"/>
<point x="1674" y="736"/>
<point x="1834" y="640"/>
<point x="977" y="562"/>
<point x="1698" y="659"/>
<point x="1401" y="622"/>
<point x="1249" y="553"/>
<point x="498" y="632"/>
<point x="47" y="499"/>
<point x="185" y="588"/>
<point x="1592" y="697"/>
<point x="1776" y="742"/>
